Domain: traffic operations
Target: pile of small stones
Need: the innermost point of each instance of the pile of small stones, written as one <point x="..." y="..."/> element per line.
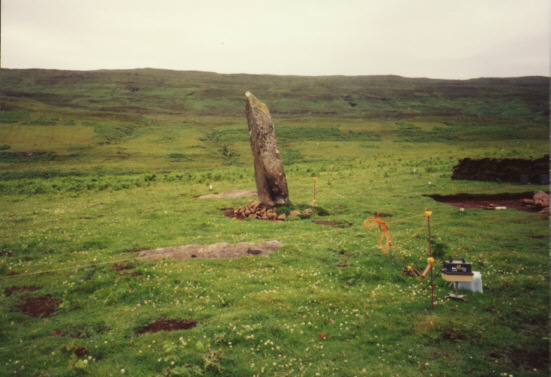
<point x="257" y="210"/>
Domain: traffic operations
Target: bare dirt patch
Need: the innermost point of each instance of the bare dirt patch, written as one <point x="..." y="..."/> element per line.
<point x="343" y="264"/>
<point x="168" y="325"/>
<point x="38" y="307"/>
<point x="230" y="194"/>
<point x="134" y="250"/>
<point x="81" y="351"/>
<point x="377" y="214"/>
<point x="120" y="267"/>
<point x="26" y="288"/>
<point x="519" y="201"/>
<point x="451" y="334"/>
<point x="216" y="251"/>
<point x="322" y="222"/>
<point x="344" y="254"/>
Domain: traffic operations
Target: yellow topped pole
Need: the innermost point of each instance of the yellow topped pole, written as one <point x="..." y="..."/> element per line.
<point x="428" y="215"/>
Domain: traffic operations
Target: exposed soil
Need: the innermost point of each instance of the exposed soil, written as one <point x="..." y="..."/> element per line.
<point x="343" y="264"/>
<point x="168" y="325"/>
<point x="134" y="250"/>
<point x="524" y="360"/>
<point x="344" y="254"/>
<point x="38" y="307"/>
<point x="6" y="252"/>
<point x="530" y="360"/>
<point x="330" y="223"/>
<point x="81" y="351"/>
<point x="26" y="288"/>
<point x="119" y="267"/>
<point x="489" y="201"/>
<point x="502" y="169"/>
<point x="451" y="334"/>
<point x="215" y="251"/>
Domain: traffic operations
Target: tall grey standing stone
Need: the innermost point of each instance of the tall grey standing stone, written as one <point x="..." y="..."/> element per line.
<point x="271" y="183"/>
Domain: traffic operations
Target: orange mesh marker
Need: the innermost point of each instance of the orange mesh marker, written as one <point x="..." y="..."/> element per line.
<point x="383" y="227"/>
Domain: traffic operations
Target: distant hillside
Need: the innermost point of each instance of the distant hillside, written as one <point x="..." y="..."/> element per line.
<point x="131" y="93"/>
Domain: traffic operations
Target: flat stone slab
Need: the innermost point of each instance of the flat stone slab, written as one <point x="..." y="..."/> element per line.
<point x="230" y="194"/>
<point x="216" y="251"/>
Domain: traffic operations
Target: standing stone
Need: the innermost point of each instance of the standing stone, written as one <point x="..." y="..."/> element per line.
<point x="271" y="183"/>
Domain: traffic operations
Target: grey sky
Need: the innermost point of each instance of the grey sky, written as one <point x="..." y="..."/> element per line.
<point x="414" y="38"/>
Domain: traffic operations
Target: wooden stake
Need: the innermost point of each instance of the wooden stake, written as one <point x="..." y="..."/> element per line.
<point x="430" y="256"/>
<point x="314" y="212"/>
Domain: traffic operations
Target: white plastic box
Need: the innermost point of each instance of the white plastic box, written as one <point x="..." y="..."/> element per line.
<point x="474" y="286"/>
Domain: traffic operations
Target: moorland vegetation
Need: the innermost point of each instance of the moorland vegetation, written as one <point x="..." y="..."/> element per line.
<point x="95" y="166"/>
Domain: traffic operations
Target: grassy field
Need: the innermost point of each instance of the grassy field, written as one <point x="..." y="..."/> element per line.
<point x="96" y="165"/>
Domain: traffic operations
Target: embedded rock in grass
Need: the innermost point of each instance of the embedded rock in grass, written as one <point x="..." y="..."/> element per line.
<point x="216" y="251"/>
<point x="541" y="202"/>
<point x="307" y="212"/>
<point x="541" y="199"/>
<point x="271" y="183"/>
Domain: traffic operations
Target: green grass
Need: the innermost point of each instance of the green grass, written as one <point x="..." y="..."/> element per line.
<point x="123" y="180"/>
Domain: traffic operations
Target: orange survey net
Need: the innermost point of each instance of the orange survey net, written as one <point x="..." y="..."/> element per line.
<point x="385" y="242"/>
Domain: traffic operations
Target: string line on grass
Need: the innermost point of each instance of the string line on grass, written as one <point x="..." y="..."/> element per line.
<point x="67" y="268"/>
<point x="417" y="232"/>
<point x="389" y="242"/>
<point x="136" y="257"/>
<point x="382" y="225"/>
<point x="367" y="205"/>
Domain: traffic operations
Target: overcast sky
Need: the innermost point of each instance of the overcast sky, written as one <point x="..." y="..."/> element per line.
<point x="456" y="39"/>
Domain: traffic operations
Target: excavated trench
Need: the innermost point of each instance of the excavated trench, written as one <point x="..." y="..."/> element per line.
<point x="520" y="201"/>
